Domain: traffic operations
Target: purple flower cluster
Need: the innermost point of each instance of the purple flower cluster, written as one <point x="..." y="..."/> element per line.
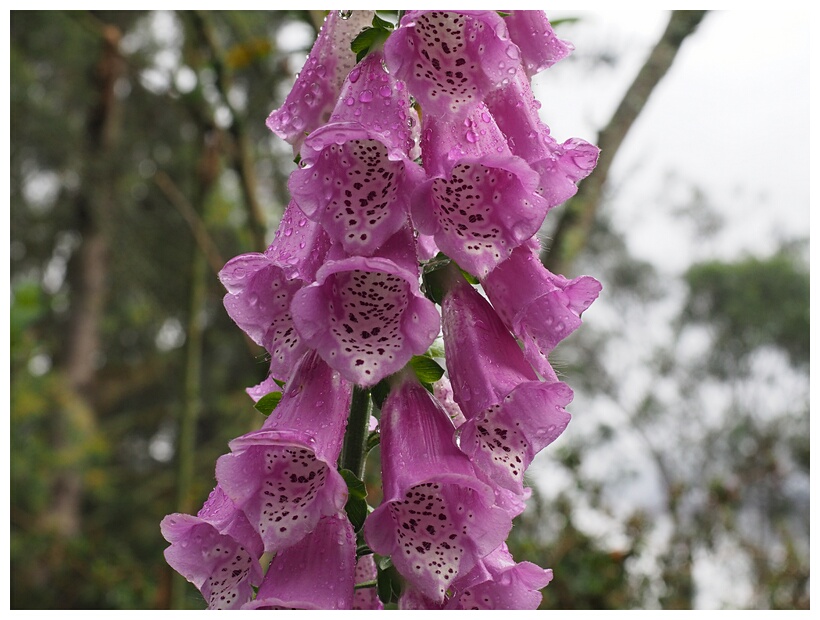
<point x="426" y="157"/>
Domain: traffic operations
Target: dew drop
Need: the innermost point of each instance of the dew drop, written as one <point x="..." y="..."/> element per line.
<point x="354" y="75"/>
<point x="385" y="91"/>
<point x="350" y="101"/>
<point x="471" y="136"/>
<point x="366" y="96"/>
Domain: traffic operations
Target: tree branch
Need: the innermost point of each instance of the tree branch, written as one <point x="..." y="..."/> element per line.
<point x="573" y="229"/>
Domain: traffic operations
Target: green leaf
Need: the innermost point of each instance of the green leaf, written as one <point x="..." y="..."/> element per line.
<point x="502" y="14"/>
<point x="426" y="368"/>
<point x="268" y="402"/>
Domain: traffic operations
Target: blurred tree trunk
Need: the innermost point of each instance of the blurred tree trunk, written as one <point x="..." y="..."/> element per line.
<point x="95" y="207"/>
<point x="578" y="215"/>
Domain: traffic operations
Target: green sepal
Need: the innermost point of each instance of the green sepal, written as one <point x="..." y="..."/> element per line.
<point x="268" y="402"/>
<point x="370" y="38"/>
<point x="426" y="368"/>
<point x="379" y="393"/>
<point x="373" y="440"/>
<point x="431" y="283"/>
<point x="388" y="581"/>
<point x="356" y="506"/>
<point x="378" y="22"/>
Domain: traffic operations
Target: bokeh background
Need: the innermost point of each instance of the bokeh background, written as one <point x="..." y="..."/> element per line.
<point x="140" y="163"/>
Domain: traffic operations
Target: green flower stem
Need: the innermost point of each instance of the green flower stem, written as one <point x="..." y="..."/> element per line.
<point x="353" y="450"/>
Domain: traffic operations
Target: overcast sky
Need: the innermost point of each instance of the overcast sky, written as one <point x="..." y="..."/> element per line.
<point x="731" y="116"/>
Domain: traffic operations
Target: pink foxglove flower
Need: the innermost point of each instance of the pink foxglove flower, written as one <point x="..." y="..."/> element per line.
<point x="437" y="518"/>
<point x="315" y="573"/>
<point x="311" y="100"/>
<point x="356" y="176"/>
<point x="451" y="60"/>
<point x="511" y="414"/>
<point x="366" y="315"/>
<point x="261" y="286"/>
<point x="533" y="35"/>
<point x="217" y="550"/>
<point x="480" y="202"/>
<point x="540" y="308"/>
<point x="366" y="598"/>
<point x="501" y="583"/>
<point x="559" y="166"/>
<point x="283" y="476"/>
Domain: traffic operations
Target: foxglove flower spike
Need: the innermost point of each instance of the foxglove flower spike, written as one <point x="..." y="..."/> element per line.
<point x="284" y="476"/>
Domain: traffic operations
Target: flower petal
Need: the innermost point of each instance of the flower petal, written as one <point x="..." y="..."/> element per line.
<point x="505" y="438"/>
<point x="375" y="100"/>
<point x="366" y="598"/>
<point x="539" y="307"/>
<point x="540" y="47"/>
<point x="366" y="316"/>
<point x="313" y="96"/>
<point x="484" y="361"/>
<point x="299" y="245"/>
<point x="559" y="166"/>
<point x="504" y="584"/>
<point x="260" y="306"/>
<point x="217" y="551"/>
<point x="315" y="573"/>
<point x="450" y="59"/>
<point x="283" y="476"/>
<point x="437" y="519"/>
<point x="354" y="190"/>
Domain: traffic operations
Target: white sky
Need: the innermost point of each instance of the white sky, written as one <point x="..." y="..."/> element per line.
<point x="731" y="116"/>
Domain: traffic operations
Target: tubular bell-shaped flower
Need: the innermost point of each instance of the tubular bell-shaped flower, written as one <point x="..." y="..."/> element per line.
<point x="366" y="315"/>
<point x="500" y="583"/>
<point x="532" y="33"/>
<point x="283" y="476"/>
<point x="311" y="100"/>
<point x="367" y="597"/>
<point x="217" y="550"/>
<point x="480" y="202"/>
<point x="437" y="518"/>
<point x="261" y="286"/>
<point x="315" y="573"/>
<point x="559" y="166"/>
<point x="450" y="60"/>
<point x="511" y="414"/>
<point x="356" y="176"/>
<point x="540" y="308"/>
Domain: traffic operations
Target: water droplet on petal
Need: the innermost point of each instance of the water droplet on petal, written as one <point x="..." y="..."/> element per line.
<point x="471" y="137"/>
<point x="354" y="75"/>
<point x="350" y="101"/>
<point x="385" y="91"/>
<point x="366" y="96"/>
